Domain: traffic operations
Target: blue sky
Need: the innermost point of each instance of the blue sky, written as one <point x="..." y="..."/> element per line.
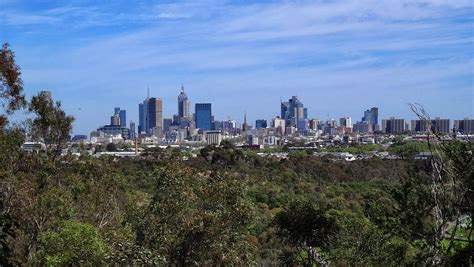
<point x="339" y="57"/>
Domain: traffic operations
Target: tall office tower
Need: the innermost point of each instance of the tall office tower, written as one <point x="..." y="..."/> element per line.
<point x="346" y="122"/>
<point x="261" y="124"/>
<point x="293" y="111"/>
<point x="284" y="106"/>
<point x="184" y="106"/>
<point x="155" y="116"/>
<point x="441" y="125"/>
<point x="302" y="125"/>
<point x="371" y="116"/>
<point x="313" y="124"/>
<point x="465" y="126"/>
<point x="123" y="116"/>
<point x="167" y="122"/>
<point x="132" y="130"/>
<point x="394" y="126"/>
<point x="143" y="121"/>
<point x="203" y="116"/>
<point x="115" y="120"/>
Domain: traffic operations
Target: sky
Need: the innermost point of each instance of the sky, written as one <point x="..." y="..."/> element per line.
<point x="340" y="57"/>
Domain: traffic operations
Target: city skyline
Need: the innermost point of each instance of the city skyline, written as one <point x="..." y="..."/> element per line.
<point x="339" y="57"/>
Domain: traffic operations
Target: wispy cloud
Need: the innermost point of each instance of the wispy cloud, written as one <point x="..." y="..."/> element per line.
<point x="339" y="55"/>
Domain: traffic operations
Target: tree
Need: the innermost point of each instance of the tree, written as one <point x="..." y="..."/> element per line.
<point x="11" y="99"/>
<point x="306" y="227"/>
<point x="11" y="85"/>
<point x="73" y="244"/>
<point x="111" y="147"/>
<point x="197" y="219"/>
<point x="51" y="124"/>
<point x="452" y="188"/>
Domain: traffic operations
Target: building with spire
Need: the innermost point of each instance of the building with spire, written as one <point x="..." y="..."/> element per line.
<point x="245" y="126"/>
<point x="184" y="106"/>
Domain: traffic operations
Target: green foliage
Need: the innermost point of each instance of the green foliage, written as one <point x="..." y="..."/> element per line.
<point x="212" y="214"/>
<point x="227" y="206"/>
<point x="302" y="223"/>
<point x="11" y="85"/>
<point x="111" y="147"/>
<point x="408" y="149"/>
<point x="74" y="243"/>
<point x="355" y="149"/>
<point x="51" y="123"/>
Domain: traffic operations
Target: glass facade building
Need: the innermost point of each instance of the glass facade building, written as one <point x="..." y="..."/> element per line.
<point x="203" y="116"/>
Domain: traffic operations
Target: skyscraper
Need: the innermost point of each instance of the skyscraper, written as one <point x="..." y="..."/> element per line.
<point x="293" y="111"/>
<point x="346" y="122"/>
<point x="203" y="116"/>
<point x="123" y="116"/>
<point x="372" y="116"/>
<point x="167" y="122"/>
<point x="284" y="106"/>
<point x="394" y="126"/>
<point x="465" y="126"/>
<point x="184" y="106"/>
<point x="115" y="120"/>
<point x="155" y="115"/>
<point x="143" y="120"/>
<point x="132" y="130"/>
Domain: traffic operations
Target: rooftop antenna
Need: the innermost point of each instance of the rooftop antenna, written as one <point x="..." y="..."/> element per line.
<point x="182" y="88"/>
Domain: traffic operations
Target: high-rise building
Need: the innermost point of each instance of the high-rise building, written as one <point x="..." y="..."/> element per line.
<point x="394" y="126"/>
<point x="313" y="124"/>
<point x="372" y="116"/>
<point x="441" y="125"/>
<point x="203" y="116"/>
<point x="143" y="121"/>
<point x="284" y="106"/>
<point x="155" y="116"/>
<point x="167" y="122"/>
<point x="123" y="116"/>
<point x="293" y="111"/>
<point x="261" y="124"/>
<point x="115" y="120"/>
<point x="438" y="125"/>
<point x="420" y="126"/>
<point x="362" y="127"/>
<point x="346" y="122"/>
<point x="465" y="126"/>
<point x="184" y="106"/>
<point x="132" y="130"/>
<point x="302" y="125"/>
<point x="279" y="125"/>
